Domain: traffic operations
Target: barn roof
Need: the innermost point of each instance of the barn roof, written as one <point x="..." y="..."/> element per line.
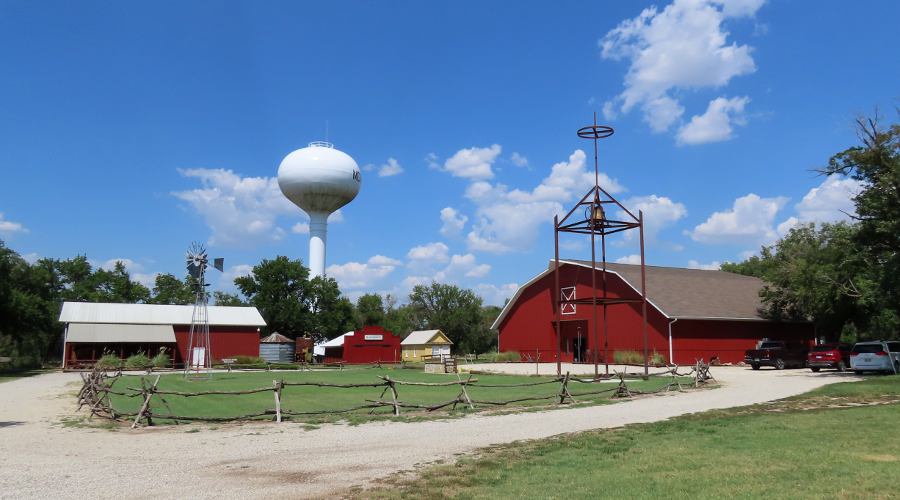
<point x="276" y="338"/>
<point x="678" y="292"/>
<point x="156" y="314"/>
<point x="422" y="337"/>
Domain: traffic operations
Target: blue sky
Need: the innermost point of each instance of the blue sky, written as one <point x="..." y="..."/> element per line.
<point x="128" y="130"/>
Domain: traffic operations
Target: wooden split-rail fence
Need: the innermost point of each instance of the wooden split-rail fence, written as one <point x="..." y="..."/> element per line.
<point x="98" y="385"/>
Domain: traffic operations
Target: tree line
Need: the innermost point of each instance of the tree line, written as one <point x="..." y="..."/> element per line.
<point x="31" y="297"/>
<point x="844" y="277"/>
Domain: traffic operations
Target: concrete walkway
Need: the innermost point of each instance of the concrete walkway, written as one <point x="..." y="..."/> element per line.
<point x="39" y="458"/>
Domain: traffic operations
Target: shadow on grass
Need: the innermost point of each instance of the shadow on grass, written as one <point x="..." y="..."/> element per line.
<point x="6" y="376"/>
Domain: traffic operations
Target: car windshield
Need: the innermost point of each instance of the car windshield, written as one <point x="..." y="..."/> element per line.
<point x="867" y="348"/>
<point x="894" y="346"/>
<point x="767" y="345"/>
<point x="823" y="348"/>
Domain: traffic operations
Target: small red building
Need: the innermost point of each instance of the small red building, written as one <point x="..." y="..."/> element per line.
<point x="371" y="344"/>
<point x="92" y="329"/>
<point x="691" y="314"/>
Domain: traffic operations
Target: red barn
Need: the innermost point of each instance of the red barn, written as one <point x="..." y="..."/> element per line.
<point x="372" y="344"/>
<point x="691" y="313"/>
<point x="125" y="329"/>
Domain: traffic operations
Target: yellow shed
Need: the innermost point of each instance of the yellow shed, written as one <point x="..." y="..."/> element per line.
<point x="423" y="343"/>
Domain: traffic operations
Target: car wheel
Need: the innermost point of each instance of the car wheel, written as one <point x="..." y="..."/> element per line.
<point x="841" y="366"/>
<point x="755" y="366"/>
<point x="779" y="364"/>
<point x="815" y="370"/>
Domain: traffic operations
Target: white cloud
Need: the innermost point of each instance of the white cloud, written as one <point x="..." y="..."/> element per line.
<point x="749" y="221"/>
<point x="31" y="257"/>
<point x="462" y="266"/>
<point x="494" y="295"/>
<point x="435" y="252"/>
<point x="831" y="201"/>
<point x="362" y="275"/>
<point x="226" y="279"/>
<point x="470" y="163"/>
<point x="629" y="259"/>
<point x="508" y="220"/>
<point x="453" y="221"/>
<point x="391" y="168"/>
<point x="659" y="213"/>
<point x="715" y="125"/>
<point x="240" y="211"/>
<point x="8" y="227"/>
<point x="787" y="225"/>
<point x="518" y="160"/>
<point x="712" y="266"/>
<point x="135" y="270"/>
<point x="682" y="47"/>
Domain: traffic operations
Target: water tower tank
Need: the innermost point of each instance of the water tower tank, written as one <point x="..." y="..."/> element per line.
<point x="319" y="179"/>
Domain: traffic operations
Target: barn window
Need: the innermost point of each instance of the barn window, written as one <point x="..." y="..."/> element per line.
<point x="567" y="293"/>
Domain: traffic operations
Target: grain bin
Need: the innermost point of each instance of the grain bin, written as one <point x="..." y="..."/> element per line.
<point x="276" y="348"/>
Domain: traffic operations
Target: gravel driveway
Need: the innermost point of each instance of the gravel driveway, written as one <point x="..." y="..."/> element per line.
<point x="39" y="458"/>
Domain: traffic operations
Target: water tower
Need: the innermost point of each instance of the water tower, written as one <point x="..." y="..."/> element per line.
<point x="319" y="179"/>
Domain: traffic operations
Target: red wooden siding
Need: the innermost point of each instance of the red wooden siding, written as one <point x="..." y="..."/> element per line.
<point x="225" y="341"/>
<point x="529" y="326"/>
<point x="358" y="350"/>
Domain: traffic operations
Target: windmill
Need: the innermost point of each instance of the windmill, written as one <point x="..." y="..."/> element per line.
<point x="199" y="352"/>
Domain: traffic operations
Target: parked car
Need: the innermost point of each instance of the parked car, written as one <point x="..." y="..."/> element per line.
<point x="835" y="355"/>
<point x="876" y="355"/>
<point x="777" y="353"/>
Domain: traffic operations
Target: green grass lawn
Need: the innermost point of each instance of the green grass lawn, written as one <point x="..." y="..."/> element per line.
<point x="802" y="447"/>
<point x="305" y="399"/>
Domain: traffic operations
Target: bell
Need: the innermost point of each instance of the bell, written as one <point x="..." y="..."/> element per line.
<point x="597" y="214"/>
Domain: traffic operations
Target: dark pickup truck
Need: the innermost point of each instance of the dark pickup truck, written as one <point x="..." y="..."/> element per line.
<point x="778" y="354"/>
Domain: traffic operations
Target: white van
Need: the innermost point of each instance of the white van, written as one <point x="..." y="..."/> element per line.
<point x="877" y="355"/>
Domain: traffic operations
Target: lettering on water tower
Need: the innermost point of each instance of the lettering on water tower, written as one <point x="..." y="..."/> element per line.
<point x="356" y="176"/>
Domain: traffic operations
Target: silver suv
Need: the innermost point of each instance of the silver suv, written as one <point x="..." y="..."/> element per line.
<point x="877" y="355"/>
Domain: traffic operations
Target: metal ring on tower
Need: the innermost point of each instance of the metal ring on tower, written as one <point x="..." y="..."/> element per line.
<point x="595" y="132"/>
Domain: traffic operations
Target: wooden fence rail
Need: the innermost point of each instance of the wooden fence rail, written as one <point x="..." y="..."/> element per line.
<point x="98" y="386"/>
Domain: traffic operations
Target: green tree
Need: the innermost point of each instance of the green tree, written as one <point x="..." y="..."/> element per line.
<point x="116" y="286"/>
<point x="227" y="299"/>
<point x="454" y="311"/>
<point x="333" y="315"/>
<point x="170" y="290"/>
<point x="815" y="274"/>
<point x="876" y="163"/>
<point x="397" y="319"/>
<point x="279" y="289"/>
<point x="370" y="310"/>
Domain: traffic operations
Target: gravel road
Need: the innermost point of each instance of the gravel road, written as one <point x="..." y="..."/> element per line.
<point x="39" y="458"/>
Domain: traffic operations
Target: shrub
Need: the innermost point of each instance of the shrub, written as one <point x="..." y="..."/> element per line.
<point x="657" y="359"/>
<point x="161" y="360"/>
<point x="628" y="358"/>
<point x="249" y="360"/>
<point x="505" y="357"/>
<point x="109" y="361"/>
<point x="138" y="361"/>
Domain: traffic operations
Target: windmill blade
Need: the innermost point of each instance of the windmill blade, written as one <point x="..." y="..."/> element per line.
<point x="219" y="263"/>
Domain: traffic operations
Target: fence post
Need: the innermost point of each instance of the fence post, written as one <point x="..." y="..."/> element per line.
<point x="622" y="391"/>
<point x="277" y="393"/>
<point x="145" y="408"/>
<point x="393" y="395"/>
<point x="564" y="393"/>
<point x="466" y="393"/>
